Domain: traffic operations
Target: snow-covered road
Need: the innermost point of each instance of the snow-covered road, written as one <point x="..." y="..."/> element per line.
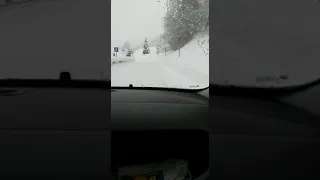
<point x="148" y="74"/>
<point x="190" y="71"/>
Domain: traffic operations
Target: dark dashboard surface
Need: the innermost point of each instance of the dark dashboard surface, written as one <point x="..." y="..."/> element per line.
<point x="157" y="96"/>
<point x="54" y="133"/>
<point x="157" y="125"/>
<point x="55" y="109"/>
<point x="249" y="137"/>
<point x="155" y="109"/>
<point x="66" y="130"/>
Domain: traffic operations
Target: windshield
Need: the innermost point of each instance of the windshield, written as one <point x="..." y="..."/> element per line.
<point x="264" y="43"/>
<point x="39" y="39"/>
<point x="160" y="43"/>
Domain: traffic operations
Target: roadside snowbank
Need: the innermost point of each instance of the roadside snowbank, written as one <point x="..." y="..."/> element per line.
<point x="193" y="61"/>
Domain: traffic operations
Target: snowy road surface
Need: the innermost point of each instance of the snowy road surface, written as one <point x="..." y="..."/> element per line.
<point x="149" y="74"/>
<point x="190" y="72"/>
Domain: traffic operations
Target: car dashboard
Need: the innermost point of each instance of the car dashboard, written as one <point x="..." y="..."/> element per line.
<point x="64" y="131"/>
<point x="156" y="125"/>
<point x="75" y="132"/>
<point x="54" y="132"/>
<point x="156" y="109"/>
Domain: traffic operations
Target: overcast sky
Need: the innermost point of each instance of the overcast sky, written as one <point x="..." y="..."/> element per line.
<point x="134" y="20"/>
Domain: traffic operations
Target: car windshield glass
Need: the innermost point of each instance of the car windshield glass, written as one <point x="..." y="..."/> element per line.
<point x="264" y="43"/>
<point x="160" y="43"/>
<point x="41" y="38"/>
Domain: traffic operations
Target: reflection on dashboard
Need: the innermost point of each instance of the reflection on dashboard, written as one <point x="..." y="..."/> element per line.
<point x="159" y="154"/>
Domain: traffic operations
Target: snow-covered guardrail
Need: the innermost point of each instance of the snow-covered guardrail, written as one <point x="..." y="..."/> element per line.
<point x="118" y="60"/>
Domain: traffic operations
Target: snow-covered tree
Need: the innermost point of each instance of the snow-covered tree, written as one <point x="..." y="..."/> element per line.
<point x="146" y="49"/>
<point x="185" y="18"/>
<point x="162" y="45"/>
<point x="126" y="46"/>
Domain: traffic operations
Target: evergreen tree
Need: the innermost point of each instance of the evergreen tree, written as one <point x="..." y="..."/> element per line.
<point x="146" y="49"/>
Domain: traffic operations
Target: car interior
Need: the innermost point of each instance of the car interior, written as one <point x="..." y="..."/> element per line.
<point x="259" y="133"/>
<point x="72" y="129"/>
<point x="64" y="139"/>
<point x="154" y="124"/>
<point x="54" y="129"/>
<point x="249" y="132"/>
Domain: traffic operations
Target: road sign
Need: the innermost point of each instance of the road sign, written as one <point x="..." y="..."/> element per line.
<point x="116" y="49"/>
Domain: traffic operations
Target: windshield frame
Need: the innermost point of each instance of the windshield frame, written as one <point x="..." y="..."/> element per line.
<point x="260" y="92"/>
<point x="159" y="88"/>
<point x="56" y="83"/>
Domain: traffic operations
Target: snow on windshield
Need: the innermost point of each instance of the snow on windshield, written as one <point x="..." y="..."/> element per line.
<point x="160" y="43"/>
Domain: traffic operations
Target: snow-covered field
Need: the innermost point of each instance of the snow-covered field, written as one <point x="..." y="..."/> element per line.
<point x="190" y="70"/>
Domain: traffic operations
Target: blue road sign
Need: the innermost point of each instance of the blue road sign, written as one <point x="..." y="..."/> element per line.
<point x="116" y="49"/>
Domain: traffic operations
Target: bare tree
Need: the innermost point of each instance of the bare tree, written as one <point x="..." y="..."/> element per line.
<point x="126" y="46"/>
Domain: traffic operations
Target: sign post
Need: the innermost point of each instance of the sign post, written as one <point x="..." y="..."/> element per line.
<point x="165" y="45"/>
<point x="116" y="49"/>
<point x="165" y="51"/>
<point x="179" y="46"/>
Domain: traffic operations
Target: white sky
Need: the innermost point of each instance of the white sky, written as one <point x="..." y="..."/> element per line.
<point x="134" y="20"/>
